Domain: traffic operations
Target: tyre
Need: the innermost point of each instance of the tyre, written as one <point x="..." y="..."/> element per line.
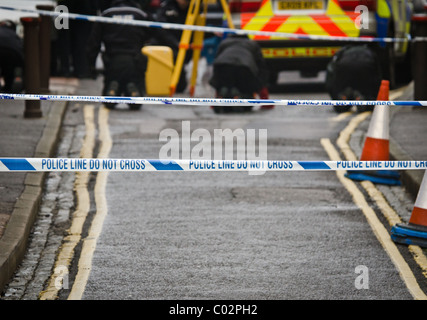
<point x="404" y="69"/>
<point x="388" y="61"/>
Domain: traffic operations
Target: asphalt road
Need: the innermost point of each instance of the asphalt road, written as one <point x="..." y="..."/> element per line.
<point x="192" y="236"/>
<point x="234" y="235"/>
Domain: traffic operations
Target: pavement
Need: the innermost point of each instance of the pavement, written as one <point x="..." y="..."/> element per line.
<point x="20" y="193"/>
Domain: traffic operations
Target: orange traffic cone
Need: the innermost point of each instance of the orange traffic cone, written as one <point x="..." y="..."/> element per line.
<point x="415" y="232"/>
<point x="376" y="147"/>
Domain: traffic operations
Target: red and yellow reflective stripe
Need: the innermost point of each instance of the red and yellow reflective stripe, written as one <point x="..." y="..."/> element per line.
<point x="334" y="22"/>
<point x="344" y="20"/>
<point x="256" y="21"/>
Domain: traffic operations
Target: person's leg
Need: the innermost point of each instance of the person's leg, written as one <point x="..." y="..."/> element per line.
<point x="132" y="77"/>
<point x="247" y="84"/>
<point x="111" y="80"/>
<point x="80" y="32"/>
<point x="63" y="46"/>
<point x="226" y="84"/>
<point x="225" y="79"/>
<point x="8" y="63"/>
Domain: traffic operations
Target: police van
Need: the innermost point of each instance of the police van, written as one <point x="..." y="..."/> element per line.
<point x="343" y="18"/>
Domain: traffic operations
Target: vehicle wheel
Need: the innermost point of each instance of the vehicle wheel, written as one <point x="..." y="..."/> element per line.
<point x="404" y="69"/>
<point x="390" y="70"/>
<point x="388" y="62"/>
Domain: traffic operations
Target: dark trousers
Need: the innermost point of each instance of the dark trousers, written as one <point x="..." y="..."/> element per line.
<point x="125" y="69"/>
<point x="240" y="77"/>
<point x="9" y="62"/>
<point x="80" y="31"/>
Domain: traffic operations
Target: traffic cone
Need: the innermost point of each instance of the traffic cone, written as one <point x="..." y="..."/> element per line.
<point x="414" y="232"/>
<point x="376" y="147"/>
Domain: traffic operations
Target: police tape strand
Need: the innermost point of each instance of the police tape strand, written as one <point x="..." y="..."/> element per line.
<point x="175" y="26"/>
<point x="206" y="101"/>
<point x="144" y="165"/>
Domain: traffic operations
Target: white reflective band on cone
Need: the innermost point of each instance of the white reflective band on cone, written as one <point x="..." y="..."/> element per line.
<point x="379" y="125"/>
<point x="421" y="201"/>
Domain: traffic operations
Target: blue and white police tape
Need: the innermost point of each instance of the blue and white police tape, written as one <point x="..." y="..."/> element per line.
<point x="139" y="165"/>
<point x="175" y="26"/>
<point x="205" y="101"/>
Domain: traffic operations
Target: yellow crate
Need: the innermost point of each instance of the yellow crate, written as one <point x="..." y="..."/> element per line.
<point x="159" y="70"/>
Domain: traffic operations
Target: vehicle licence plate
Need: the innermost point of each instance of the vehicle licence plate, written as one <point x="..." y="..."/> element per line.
<point x="299" y="52"/>
<point x="300" y="5"/>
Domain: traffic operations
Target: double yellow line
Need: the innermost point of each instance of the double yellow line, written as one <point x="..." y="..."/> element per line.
<point x="79" y="217"/>
<point x="377" y="227"/>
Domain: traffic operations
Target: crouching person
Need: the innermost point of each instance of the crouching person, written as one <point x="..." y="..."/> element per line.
<point x="124" y="64"/>
<point x="239" y="70"/>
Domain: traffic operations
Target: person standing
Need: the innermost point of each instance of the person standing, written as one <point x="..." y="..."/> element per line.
<point x="79" y="35"/>
<point x="11" y="55"/>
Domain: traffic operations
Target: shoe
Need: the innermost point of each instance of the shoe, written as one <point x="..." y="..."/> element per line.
<point x="235" y="93"/>
<point x="350" y="94"/>
<point x="363" y="108"/>
<point x="113" y="89"/>
<point x="223" y="92"/>
<point x="264" y="94"/>
<point x="133" y="91"/>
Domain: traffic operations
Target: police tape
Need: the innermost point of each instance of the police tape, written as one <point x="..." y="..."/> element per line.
<point x="175" y="26"/>
<point x="206" y="101"/>
<point x="147" y="165"/>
